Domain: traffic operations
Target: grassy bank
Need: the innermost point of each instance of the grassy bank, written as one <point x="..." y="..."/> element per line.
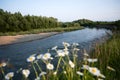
<point x="34" y="31"/>
<point x="109" y="56"/>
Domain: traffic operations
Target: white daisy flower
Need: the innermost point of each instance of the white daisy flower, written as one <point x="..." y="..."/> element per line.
<point x="33" y="55"/>
<point x="31" y="59"/>
<point x="46" y="56"/>
<point x="40" y="56"/>
<point x="38" y="78"/>
<point x="110" y="68"/>
<point x="76" y="49"/>
<point x="85" y="67"/>
<point x="42" y="73"/>
<point x="92" y="60"/>
<point x="55" y="73"/>
<point x="94" y="71"/>
<point x="85" y="53"/>
<point x="60" y="53"/>
<point x="75" y="44"/>
<point x="55" y="47"/>
<point x="102" y="76"/>
<point x="66" y="52"/>
<point x="50" y="66"/>
<point x="85" y="59"/>
<point x="64" y="72"/>
<point x="3" y="64"/>
<point x="71" y="64"/>
<point x="9" y="75"/>
<point x="79" y="73"/>
<point x="100" y="79"/>
<point x="26" y="72"/>
<point x="66" y="44"/>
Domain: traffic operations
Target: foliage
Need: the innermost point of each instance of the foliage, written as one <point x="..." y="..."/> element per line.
<point x="109" y="55"/>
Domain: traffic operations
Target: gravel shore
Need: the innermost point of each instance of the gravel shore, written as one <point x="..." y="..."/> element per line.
<point x="4" y="40"/>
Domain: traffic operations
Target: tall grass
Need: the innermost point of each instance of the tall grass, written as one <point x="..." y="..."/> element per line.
<point x="109" y="57"/>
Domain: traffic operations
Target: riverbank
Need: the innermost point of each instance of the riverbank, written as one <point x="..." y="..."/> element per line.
<point x="37" y="31"/>
<point x="4" y="40"/>
<point x="108" y="55"/>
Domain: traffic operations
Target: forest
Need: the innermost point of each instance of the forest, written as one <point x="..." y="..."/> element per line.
<point x="16" y="22"/>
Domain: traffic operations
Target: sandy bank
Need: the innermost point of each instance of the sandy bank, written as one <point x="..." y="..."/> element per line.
<point x="4" y="40"/>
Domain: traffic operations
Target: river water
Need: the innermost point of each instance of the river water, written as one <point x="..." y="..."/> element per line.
<point x="17" y="54"/>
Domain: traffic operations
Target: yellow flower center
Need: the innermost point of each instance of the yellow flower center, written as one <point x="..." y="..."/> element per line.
<point x="30" y="58"/>
<point x="94" y="70"/>
<point x="46" y="55"/>
<point x="10" y="75"/>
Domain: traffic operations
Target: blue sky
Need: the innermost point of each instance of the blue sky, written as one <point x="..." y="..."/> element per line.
<point x="66" y="10"/>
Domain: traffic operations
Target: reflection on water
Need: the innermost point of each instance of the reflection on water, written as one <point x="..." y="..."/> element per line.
<point x="17" y="53"/>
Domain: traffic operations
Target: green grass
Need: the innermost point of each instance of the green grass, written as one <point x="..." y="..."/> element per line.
<point x="109" y="55"/>
<point x="35" y="31"/>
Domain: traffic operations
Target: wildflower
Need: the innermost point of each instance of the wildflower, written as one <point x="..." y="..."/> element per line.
<point x="9" y="75"/>
<point x="64" y="72"/>
<point x="66" y="44"/>
<point x="33" y="55"/>
<point x="79" y="73"/>
<point x="46" y="56"/>
<point x="85" y="67"/>
<point x="40" y="56"/>
<point x="31" y="59"/>
<point x="100" y="79"/>
<point x="66" y="52"/>
<point x="76" y="49"/>
<point x="71" y="64"/>
<point x="50" y="66"/>
<point x="61" y="53"/>
<point x="55" y="73"/>
<point x="92" y="60"/>
<point x="38" y="78"/>
<point x="3" y="64"/>
<point x="94" y="71"/>
<point x="85" y="53"/>
<point x="110" y="68"/>
<point x="75" y="44"/>
<point x="54" y="48"/>
<point x="85" y="59"/>
<point x="51" y="58"/>
<point x="26" y="72"/>
<point x="102" y="76"/>
<point x="42" y="73"/>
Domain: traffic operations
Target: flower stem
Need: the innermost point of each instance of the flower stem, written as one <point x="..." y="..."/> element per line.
<point x="58" y="63"/>
<point x="40" y="70"/>
<point x="35" y="70"/>
<point x="3" y="72"/>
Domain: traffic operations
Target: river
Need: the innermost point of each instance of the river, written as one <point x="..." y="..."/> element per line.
<point x="17" y="54"/>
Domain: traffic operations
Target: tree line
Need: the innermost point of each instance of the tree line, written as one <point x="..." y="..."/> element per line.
<point x="17" y="22"/>
<point x="99" y="24"/>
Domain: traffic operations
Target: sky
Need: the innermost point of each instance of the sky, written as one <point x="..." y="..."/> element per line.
<point x="66" y="10"/>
